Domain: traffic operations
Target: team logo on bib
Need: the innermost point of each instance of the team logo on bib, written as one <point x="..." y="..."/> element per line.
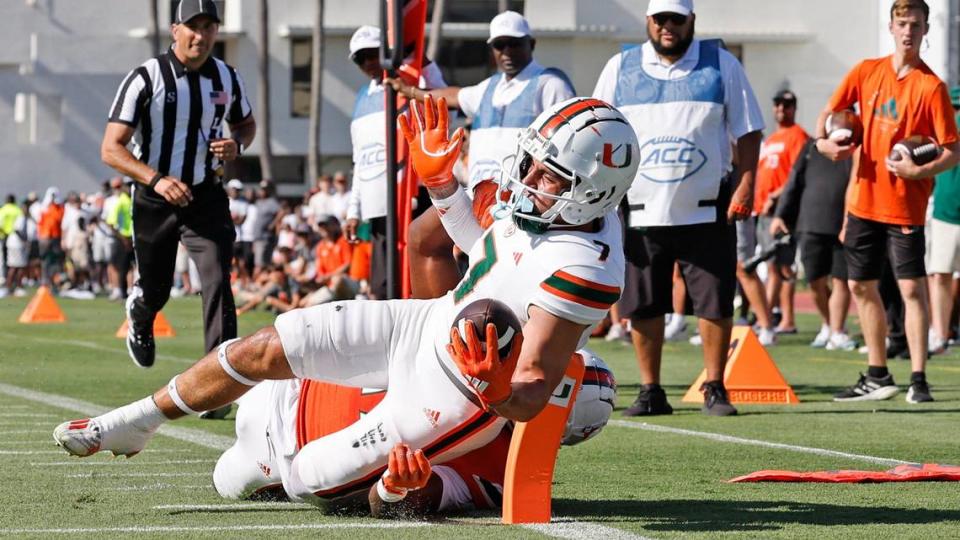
<point x="371" y="162"/>
<point x="667" y="160"/>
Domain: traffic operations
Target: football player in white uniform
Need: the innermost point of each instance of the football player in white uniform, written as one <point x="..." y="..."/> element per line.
<point x="555" y="258"/>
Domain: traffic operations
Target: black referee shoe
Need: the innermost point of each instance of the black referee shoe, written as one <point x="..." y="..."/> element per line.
<point x="651" y="401"/>
<point x="715" y="400"/>
<point x="140" y="343"/>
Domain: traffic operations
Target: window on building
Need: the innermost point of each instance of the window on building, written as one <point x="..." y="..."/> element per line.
<point x="300" y="60"/>
<point x="38" y="118"/>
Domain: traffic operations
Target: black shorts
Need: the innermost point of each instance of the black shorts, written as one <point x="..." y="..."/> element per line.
<point x="869" y="242"/>
<point x="822" y="255"/>
<point x="707" y="255"/>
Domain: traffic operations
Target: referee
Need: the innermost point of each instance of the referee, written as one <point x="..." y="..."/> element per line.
<point x="172" y="109"/>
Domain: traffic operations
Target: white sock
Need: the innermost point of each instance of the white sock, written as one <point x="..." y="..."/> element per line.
<point x="143" y="415"/>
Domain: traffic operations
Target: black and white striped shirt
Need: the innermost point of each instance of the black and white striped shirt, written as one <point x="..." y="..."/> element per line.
<point x="177" y="112"/>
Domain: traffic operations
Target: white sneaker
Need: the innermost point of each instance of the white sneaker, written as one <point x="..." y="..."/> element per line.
<point x="767" y="337"/>
<point x="616" y="332"/>
<point x="675" y="328"/>
<point x="840" y="341"/>
<point x="115" y="295"/>
<point x="822" y="337"/>
<point x="85" y="437"/>
<point x="935" y="343"/>
<point x="19" y="292"/>
<point x="4" y="292"/>
<point x="696" y="340"/>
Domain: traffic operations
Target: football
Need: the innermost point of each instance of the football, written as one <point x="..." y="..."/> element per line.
<point x="919" y="148"/>
<point x="493" y="311"/>
<point x="844" y="127"/>
<point x="594" y="403"/>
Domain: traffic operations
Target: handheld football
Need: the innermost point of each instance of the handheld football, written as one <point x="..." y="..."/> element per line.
<point x="844" y="127"/>
<point x="485" y="311"/>
<point x="919" y="148"/>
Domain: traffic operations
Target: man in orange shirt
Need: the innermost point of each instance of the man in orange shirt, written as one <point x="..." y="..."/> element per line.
<point x="898" y="96"/>
<point x="49" y="233"/>
<point x="334" y="254"/>
<point x="777" y="156"/>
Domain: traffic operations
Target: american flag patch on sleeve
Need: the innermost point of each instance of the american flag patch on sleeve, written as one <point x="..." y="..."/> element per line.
<point x="219" y="97"/>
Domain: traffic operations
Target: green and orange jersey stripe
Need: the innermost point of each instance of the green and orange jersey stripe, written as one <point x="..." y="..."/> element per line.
<point x="582" y="291"/>
<point x="565" y="114"/>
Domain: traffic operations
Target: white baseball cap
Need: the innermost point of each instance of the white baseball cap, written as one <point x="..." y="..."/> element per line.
<point x="683" y="7"/>
<point x="366" y="37"/>
<point x="235" y="184"/>
<point x="510" y="24"/>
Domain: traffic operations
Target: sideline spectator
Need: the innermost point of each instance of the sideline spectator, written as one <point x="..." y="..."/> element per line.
<point x="777" y="155"/>
<point x="811" y="207"/>
<point x="689" y="222"/>
<point x="264" y="228"/>
<point x="887" y="202"/>
<point x="18" y="250"/>
<point x="340" y="199"/>
<point x="50" y="237"/>
<point x="944" y="257"/>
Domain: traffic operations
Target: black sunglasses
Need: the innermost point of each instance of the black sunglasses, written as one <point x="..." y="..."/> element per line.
<point x="784" y="102"/>
<point x="360" y="57"/>
<point x="676" y="18"/>
<point x="501" y="44"/>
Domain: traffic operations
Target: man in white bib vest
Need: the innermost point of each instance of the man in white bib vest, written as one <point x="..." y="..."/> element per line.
<point x="505" y="103"/>
<point x="687" y="101"/>
<point x="368" y="200"/>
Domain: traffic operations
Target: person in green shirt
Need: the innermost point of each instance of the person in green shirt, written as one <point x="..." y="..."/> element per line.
<point x="943" y="251"/>
<point x="8" y="216"/>
<point x="120" y="219"/>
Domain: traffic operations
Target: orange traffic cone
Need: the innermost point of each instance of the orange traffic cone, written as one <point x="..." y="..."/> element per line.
<point x="161" y="328"/>
<point x="750" y="375"/>
<point x="42" y="308"/>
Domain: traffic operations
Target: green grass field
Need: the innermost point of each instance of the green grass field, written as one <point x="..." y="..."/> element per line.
<point x="633" y="478"/>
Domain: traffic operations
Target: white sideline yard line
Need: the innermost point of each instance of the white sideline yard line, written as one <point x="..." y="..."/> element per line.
<point x="235" y="506"/>
<point x="120" y="350"/>
<point x="26" y="415"/>
<point x="195" y="436"/>
<point x="158" y="486"/>
<point x="222" y="528"/>
<point x="577" y="530"/>
<point x="85" y="463"/>
<point x="559" y="529"/>
<point x="140" y="475"/>
<point x="756" y="442"/>
<point x="21" y="431"/>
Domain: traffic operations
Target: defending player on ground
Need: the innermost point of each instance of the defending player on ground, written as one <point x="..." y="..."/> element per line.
<point x="555" y="258"/>
<point x="295" y="413"/>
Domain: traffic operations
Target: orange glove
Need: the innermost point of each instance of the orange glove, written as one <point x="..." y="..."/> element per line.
<point x="489" y="376"/>
<point x="431" y="152"/>
<point x="406" y="470"/>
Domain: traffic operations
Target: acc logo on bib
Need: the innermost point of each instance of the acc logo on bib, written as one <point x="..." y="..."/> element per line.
<point x="670" y="159"/>
<point x="371" y="162"/>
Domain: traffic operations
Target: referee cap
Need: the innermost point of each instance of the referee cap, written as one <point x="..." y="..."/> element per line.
<point x="366" y="37"/>
<point x="188" y="9"/>
<point x="509" y="24"/>
<point x="235" y="184"/>
<point x="683" y="7"/>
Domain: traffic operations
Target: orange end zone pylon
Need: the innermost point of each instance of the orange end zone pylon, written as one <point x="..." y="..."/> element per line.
<point x="751" y="376"/>
<point x="528" y="479"/>
<point x="161" y="328"/>
<point x="42" y="308"/>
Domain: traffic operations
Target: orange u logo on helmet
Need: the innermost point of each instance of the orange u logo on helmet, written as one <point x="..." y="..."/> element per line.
<point x="608" y="155"/>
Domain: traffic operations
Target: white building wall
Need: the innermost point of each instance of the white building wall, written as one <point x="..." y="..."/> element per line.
<point x="85" y="47"/>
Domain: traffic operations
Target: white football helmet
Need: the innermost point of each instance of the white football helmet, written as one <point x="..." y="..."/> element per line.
<point x="583" y="140"/>
<point x="594" y="403"/>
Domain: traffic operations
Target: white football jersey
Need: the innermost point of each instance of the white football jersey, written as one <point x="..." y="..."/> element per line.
<point x="574" y="275"/>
